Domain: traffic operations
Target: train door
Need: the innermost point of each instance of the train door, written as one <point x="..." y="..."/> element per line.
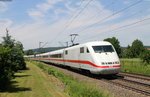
<point x="81" y="56"/>
<point x="84" y="56"/>
<point x="65" y="52"/>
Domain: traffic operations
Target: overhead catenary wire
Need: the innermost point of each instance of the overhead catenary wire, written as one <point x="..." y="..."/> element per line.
<point x="121" y="27"/>
<point x="115" y="13"/>
<point x="72" y="17"/>
<point x="99" y="12"/>
<point x="102" y="20"/>
<point x="77" y="15"/>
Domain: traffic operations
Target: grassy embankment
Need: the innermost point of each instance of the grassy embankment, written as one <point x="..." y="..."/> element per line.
<point x="47" y="82"/>
<point x="33" y="83"/>
<point x="135" y="65"/>
<point x="75" y="88"/>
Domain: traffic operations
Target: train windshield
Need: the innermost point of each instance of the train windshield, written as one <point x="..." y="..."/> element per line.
<point x="104" y="48"/>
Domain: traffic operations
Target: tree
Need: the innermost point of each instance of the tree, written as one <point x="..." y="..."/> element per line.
<point x="16" y="52"/>
<point x="6" y="72"/>
<point x="127" y="53"/>
<point x="8" y="41"/>
<point x="145" y="56"/>
<point x="114" y="41"/>
<point x="29" y="52"/>
<point x="18" y="56"/>
<point x="137" y="48"/>
<point x="11" y="59"/>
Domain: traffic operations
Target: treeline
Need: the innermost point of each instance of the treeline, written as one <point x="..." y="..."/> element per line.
<point x="11" y="59"/>
<point x="136" y="50"/>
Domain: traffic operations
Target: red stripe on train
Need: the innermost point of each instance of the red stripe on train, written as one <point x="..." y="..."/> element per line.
<point x="83" y="62"/>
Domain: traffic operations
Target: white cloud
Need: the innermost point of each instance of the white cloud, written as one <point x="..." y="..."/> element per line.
<point x="41" y="9"/>
<point x="35" y="14"/>
<point x="31" y="34"/>
<point x="5" y="23"/>
<point x="95" y="12"/>
<point x="3" y="7"/>
<point x="44" y="7"/>
<point x="126" y="34"/>
<point x="38" y="31"/>
<point x="126" y="2"/>
<point x="147" y="0"/>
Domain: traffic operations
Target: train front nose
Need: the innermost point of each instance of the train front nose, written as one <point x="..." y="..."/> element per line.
<point x="110" y="70"/>
<point x="108" y="63"/>
<point x="114" y="69"/>
<point x="107" y="60"/>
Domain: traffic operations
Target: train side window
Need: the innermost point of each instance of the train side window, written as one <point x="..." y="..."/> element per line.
<point x="46" y="56"/>
<point x="56" y="56"/>
<point x="87" y="50"/>
<point x="66" y="52"/>
<point x="82" y="50"/>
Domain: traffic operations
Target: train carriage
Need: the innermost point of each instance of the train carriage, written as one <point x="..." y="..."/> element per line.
<point x="98" y="57"/>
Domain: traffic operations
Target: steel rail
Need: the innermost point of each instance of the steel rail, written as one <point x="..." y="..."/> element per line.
<point x="129" y="87"/>
<point x="135" y="82"/>
<point x="135" y="75"/>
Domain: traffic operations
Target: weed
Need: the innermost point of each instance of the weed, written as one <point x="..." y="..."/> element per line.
<point x="75" y="88"/>
<point x="135" y="66"/>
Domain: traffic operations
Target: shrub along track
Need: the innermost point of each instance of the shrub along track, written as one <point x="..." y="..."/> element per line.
<point x="117" y="85"/>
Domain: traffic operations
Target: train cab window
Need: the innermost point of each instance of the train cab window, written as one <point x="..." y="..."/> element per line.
<point x="82" y="50"/>
<point x="104" y="48"/>
<point x="66" y="52"/>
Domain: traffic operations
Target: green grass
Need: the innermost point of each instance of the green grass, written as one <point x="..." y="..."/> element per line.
<point x="33" y="83"/>
<point x="134" y="65"/>
<point x="75" y="88"/>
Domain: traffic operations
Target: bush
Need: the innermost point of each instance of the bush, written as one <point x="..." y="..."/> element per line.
<point x="11" y="59"/>
<point x="134" y="65"/>
<point x="6" y="72"/>
<point x="16" y="52"/>
<point x="75" y="88"/>
<point x="115" y="42"/>
<point x="146" y="57"/>
<point x="135" y="50"/>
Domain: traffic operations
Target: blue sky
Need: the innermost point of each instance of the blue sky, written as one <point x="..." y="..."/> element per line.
<point x="52" y="21"/>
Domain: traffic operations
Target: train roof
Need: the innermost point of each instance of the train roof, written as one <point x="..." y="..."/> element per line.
<point x="57" y="51"/>
<point x="98" y="43"/>
<point x="90" y="44"/>
<point x="76" y="46"/>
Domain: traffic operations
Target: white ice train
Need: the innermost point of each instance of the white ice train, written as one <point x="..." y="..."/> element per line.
<point x="98" y="57"/>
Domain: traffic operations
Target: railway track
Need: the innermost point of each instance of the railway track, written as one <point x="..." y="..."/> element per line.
<point x="135" y="75"/>
<point x="119" y="80"/>
<point x="125" y="80"/>
<point x="135" y="82"/>
<point x="128" y="85"/>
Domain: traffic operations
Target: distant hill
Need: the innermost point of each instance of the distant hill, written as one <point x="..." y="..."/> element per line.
<point x="123" y="48"/>
<point x="147" y="46"/>
<point x="48" y="49"/>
